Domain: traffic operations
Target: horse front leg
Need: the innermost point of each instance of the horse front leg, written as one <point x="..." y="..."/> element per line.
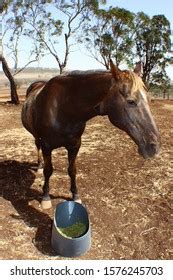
<point x="47" y="171"/>
<point x="72" y="153"/>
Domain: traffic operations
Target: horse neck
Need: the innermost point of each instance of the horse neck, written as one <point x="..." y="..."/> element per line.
<point x="82" y="96"/>
<point x="95" y="94"/>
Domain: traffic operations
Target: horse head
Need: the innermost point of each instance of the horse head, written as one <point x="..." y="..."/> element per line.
<point x="127" y="107"/>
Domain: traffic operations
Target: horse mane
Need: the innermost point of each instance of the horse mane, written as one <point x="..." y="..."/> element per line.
<point x="137" y="81"/>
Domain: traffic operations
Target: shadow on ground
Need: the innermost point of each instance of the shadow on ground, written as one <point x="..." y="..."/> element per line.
<point x="16" y="179"/>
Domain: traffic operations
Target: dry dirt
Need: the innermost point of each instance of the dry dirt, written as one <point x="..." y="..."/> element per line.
<point x="128" y="198"/>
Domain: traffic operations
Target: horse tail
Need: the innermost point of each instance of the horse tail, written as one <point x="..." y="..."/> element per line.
<point x="35" y="85"/>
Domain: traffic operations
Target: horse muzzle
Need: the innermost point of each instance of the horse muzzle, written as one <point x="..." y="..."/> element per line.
<point x="149" y="150"/>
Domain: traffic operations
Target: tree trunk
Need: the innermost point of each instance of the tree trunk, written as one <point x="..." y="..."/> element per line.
<point x="14" y="96"/>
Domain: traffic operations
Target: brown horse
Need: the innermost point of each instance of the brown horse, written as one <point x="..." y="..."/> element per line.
<point x="56" y="112"/>
<point x="35" y="86"/>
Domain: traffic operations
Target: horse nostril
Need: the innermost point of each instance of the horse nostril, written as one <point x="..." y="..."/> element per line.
<point x="152" y="145"/>
<point x="154" y="148"/>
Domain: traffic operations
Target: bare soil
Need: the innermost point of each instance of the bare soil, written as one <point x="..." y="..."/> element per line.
<point x="127" y="197"/>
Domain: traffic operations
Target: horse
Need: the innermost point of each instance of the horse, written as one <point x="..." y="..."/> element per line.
<point x="34" y="86"/>
<point x="55" y="113"/>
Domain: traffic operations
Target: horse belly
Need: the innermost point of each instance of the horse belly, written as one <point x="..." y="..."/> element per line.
<point x="62" y="135"/>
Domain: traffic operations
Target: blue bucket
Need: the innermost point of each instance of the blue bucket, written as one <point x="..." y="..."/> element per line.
<point x="67" y="214"/>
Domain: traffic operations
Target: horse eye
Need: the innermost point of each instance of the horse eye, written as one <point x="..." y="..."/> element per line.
<point x="131" y="102"/>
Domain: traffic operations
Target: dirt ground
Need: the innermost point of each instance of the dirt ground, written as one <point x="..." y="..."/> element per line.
<point x="127" y="197"/>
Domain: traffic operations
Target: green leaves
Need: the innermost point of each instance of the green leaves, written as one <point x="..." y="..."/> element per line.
<point x="114" y="32"/>
<point x="109" y="34"/>
<point x="152" y="43"/>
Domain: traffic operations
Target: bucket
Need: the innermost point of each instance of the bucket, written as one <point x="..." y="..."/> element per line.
<point x="71" y="231"/>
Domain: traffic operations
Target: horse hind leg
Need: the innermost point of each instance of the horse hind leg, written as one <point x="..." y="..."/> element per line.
<point x="47" y="171"/>
<point x="72" y="153"/>
<point x="39" y="155"/>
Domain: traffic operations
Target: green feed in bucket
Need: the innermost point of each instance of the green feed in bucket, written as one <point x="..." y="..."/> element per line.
<point x="73" y="231"/>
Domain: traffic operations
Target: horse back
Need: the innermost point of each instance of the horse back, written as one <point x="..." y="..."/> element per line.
<point x="35" y="86"/>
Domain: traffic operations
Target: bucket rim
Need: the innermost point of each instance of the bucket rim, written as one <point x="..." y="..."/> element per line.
<point x="87" y="224"/>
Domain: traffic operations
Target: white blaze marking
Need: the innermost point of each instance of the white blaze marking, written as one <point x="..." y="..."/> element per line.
<point x="144" y="96"/>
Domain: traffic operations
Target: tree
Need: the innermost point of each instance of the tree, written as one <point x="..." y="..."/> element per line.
<point x="14" y="96"/>
<point x="40" y="23"/>
<point x="13" y="36"/>
<point x="5" y="67"/>
<point x="36" y="21"/>
<point x="109" y="35"/>
<point x="152" y="43"/>
<point x="45" y="23"/>
<point x="161" y="80"/>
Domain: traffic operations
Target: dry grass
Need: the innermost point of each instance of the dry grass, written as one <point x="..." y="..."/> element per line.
<point x="128" y="199"/>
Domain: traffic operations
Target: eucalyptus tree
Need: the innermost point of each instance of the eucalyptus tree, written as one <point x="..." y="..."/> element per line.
<point x="160" y="80"/>
<point x="14" y="97"/>
<point x="109" y="34"/>
<point x="152" y="44"/>
<point x="46" y="23"/>
<point x="42" y="24"/>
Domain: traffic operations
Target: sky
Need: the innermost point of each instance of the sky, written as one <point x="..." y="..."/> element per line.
<point x="80" y="60"/>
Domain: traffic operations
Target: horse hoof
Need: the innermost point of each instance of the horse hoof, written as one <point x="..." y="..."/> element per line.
<point x="78" y="200"/>
<point x="40" y="170"/>
<point x="46" y="204"/>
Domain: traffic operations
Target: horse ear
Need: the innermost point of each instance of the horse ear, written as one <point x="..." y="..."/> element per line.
<point x="114" y="70"/>
<point x="138" y="68"/>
